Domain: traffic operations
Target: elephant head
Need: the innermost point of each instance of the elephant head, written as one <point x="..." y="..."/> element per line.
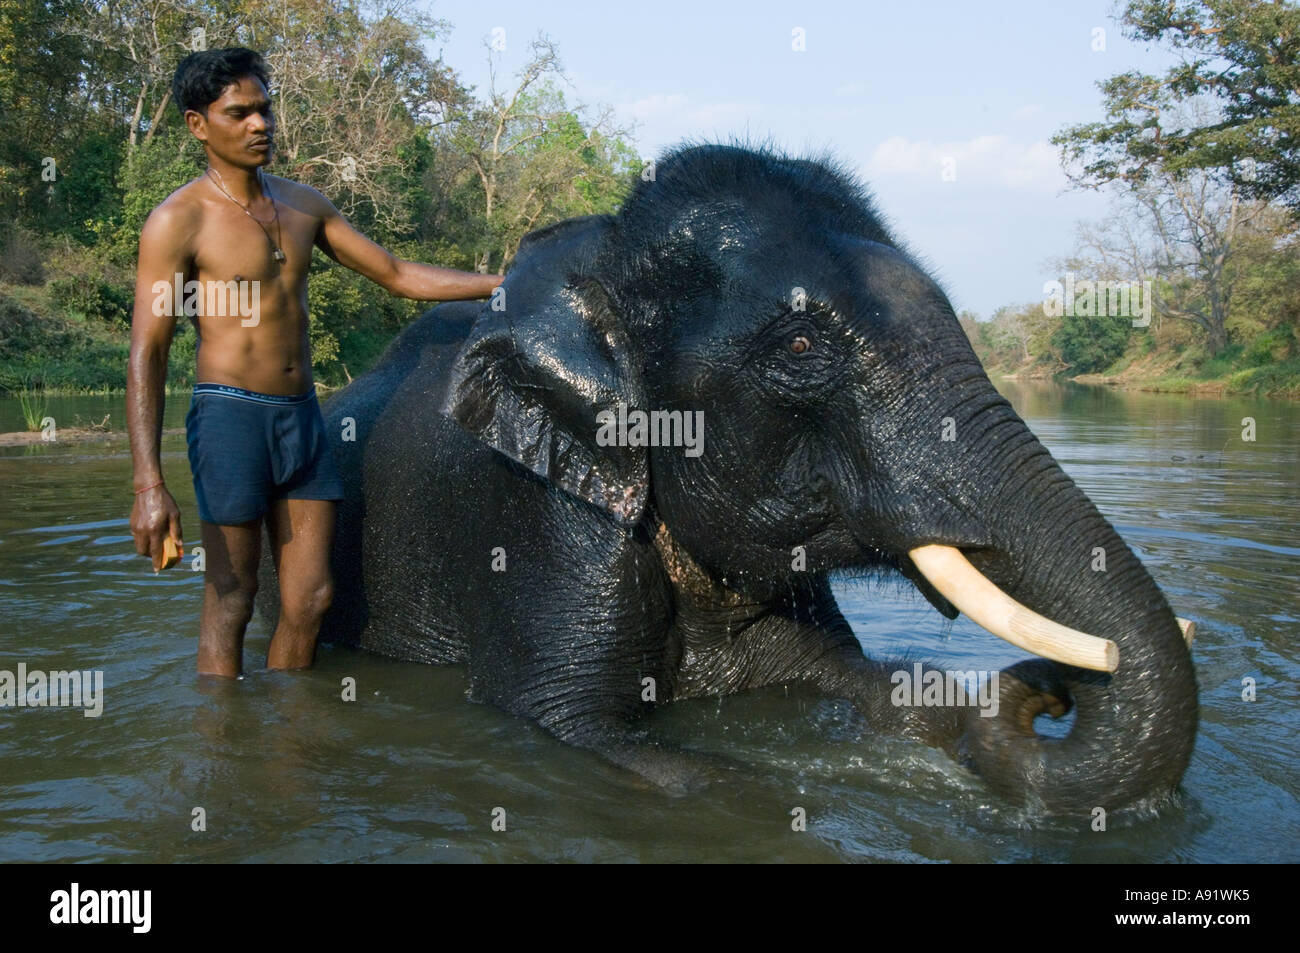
<point x="846" y="418"/>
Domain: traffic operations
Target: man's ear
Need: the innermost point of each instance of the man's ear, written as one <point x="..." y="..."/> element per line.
<point x="544" y="358"/>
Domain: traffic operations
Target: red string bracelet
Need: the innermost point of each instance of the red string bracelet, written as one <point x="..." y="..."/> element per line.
<point x="149" y="487"/>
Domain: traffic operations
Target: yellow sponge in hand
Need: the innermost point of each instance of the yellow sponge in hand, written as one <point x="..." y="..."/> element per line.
<point x="171" y="554"/>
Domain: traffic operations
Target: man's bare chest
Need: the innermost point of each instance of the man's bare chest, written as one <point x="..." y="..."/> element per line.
<point x="276" y="251"/>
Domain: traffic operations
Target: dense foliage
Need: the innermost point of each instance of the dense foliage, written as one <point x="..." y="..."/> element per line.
<point x="91" y="143"/>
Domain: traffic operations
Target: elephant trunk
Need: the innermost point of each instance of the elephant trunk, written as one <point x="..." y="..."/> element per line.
<point x="1134" y="728"/>
<point x="1034" y="535"/>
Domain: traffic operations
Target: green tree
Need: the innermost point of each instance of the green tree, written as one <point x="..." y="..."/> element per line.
<point x="524" y="158"/>
<point x="1244" y="56"/>
<point x="1265" y="318"/>
<point x="57" y="152"/>
<point x="1091" y="343"/>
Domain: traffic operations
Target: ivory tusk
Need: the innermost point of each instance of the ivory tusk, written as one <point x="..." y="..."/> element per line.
<point x="1189" y="630"/>
<point x="986" y="605"/>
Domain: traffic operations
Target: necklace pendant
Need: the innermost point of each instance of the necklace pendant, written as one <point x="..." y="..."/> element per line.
<point x="277" y="254"/>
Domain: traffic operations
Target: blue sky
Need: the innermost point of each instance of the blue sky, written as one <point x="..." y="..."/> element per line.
<point x="891" y="89"/>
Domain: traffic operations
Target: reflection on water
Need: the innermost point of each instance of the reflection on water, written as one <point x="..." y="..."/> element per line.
<point x="285" y="770"/>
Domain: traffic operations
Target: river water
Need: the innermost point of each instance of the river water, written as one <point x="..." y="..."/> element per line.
<point x="284" y="770"/>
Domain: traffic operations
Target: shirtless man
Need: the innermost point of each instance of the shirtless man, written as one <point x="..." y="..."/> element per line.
<point x="257" y="445"/>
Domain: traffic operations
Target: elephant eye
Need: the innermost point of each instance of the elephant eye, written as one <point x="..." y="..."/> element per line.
<point x="799" y="344"/>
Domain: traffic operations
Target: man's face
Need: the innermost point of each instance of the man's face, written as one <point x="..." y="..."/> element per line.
<point x="239" y="126"/>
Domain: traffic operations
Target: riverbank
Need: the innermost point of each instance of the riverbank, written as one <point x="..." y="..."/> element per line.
<point x="25" y="438"/>
<point x="1164" y="373"/>
<point x="45" y="350"/>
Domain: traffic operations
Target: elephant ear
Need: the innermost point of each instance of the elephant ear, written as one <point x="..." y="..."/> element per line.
<point x="548" y="354"/>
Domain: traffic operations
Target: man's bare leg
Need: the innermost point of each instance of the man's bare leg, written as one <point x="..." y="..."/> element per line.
<point x="302" y="532"/>
<point x="229" y="585"/>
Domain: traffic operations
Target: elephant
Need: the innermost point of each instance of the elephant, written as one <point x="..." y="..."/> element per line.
<point x="813" y="407"/>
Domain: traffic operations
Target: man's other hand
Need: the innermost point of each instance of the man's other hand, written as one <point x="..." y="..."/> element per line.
<point x="155" y="518"/>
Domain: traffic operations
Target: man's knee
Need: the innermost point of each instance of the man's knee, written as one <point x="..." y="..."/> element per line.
<point x="234" y="592"/>
<point x="306" y="605"/>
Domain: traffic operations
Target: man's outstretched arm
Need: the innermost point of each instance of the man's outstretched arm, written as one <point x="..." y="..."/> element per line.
<point x="406" y="279"/>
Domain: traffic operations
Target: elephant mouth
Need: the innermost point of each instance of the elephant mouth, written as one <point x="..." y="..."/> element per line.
<point x="950" y="577"/>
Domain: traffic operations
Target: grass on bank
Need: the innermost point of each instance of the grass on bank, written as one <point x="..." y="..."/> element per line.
<point x="33" y="404"/>
<point x="44" y="349"/>
<point x="1236" y="371"/>
<point x="1257" y="370"/>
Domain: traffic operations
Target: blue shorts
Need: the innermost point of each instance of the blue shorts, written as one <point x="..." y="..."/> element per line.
<point x="248" y="449"/>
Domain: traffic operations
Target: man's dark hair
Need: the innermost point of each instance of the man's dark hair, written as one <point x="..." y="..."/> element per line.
<point x="202" y="77"/>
